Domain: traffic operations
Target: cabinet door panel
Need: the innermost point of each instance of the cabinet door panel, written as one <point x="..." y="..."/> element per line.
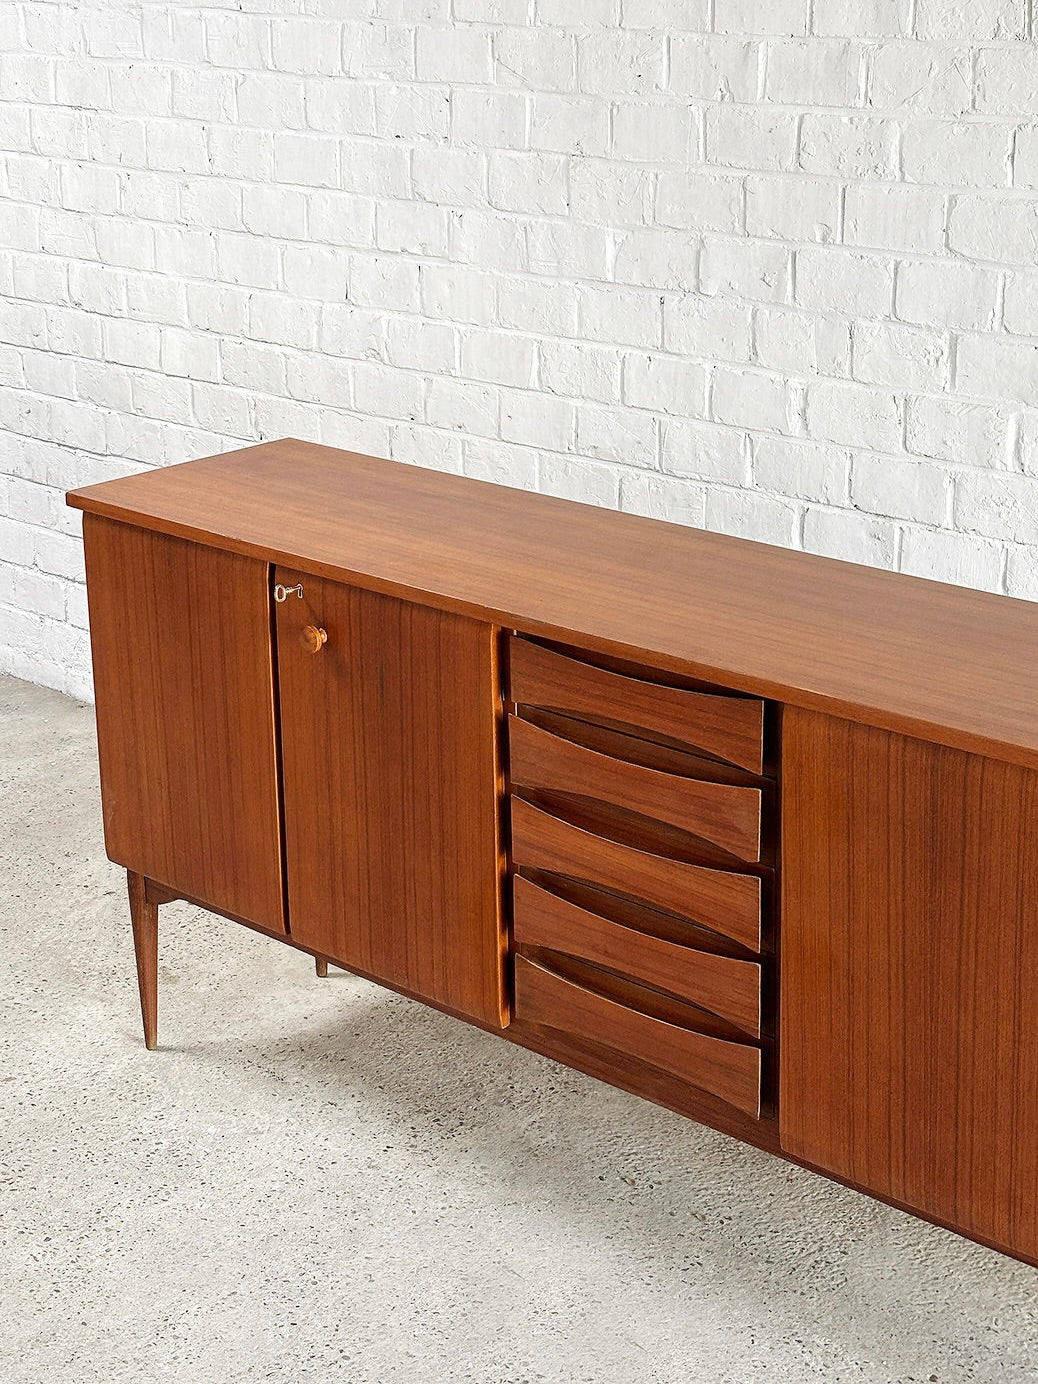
<point x="183" y="680"/>
<point x="389" y="737"/>
<point x="908" y="1052"/>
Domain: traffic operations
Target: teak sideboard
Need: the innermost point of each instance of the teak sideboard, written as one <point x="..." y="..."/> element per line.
<point x="748" y="832"/>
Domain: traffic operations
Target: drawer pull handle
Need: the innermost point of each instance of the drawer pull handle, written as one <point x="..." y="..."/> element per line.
<point x="282" y="593"/>
<point x="315" y="638"/>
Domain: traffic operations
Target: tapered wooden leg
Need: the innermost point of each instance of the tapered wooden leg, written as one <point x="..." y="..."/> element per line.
<point x="145" y="917"/>
<point x="322" y="966"/>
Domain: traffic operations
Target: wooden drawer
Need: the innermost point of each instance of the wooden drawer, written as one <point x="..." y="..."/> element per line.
<point x="730" y="1071"/>
<point x="729" y="727"/>
<point x="723" y="985"/>
<point x="720" y="900"/>
<point x="720" y="813"/>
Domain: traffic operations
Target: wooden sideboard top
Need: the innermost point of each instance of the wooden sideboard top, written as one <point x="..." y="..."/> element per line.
<point x="919" y="657"/>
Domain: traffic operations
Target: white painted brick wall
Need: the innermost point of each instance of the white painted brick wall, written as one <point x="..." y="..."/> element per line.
<point x="767" y="266"/>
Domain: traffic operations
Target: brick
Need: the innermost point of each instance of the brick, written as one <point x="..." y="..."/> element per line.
<point x="710" y="328"/>
<point x="971" y="19"/>
<point x="994" y="228"/>
<point x="902" y="357"/>
<point x="536" y="420"/>
<point x="750" y="137"/>
<point x="958" y="430"/>
<point x="848" y="146"/>
<point x="956" y="153"/>
<point x="666" y="384"/>
<point x="663" y="497"/>
<point x="568" y="124"/>
<point x="699" y="200"/>
<point x="610" y="312"/>
<point x="901" y="489"/>
<point x="624" y="435"/>
<point x="854" y="415"/>
<point x="748" y="514"/>
<point x="867" y="18"/>
<point x="1007" y="80"/>
<point x="463" y="406"/>
<point x="792" y="209"/>
<point x="831" y="279"/>
<point x="654" y="132"/>
<point x="801" y="470"/>
<point x="747" y="399"/>
<point x="1000" y="367"/>
<point x="501" y="463"/>
<point x="580" y="480"/>
<point x="948" y="293"/>
<point x="749" y="17"/>
<point x="962" y="559"/>
<point x="854" y="537"/>
<point x="657" y="259"/>
<point x="998" y="504"/>
<point x="605" y="190"/>
<point x="498" y="358"/>
<point x="529" y="182"/>
<point x="578" y="370"/>
<point x="1021" y="303"/>
<point x="706" y="451"/>
<point x="814" y="72"/>
<point x="713" y="67"/>
<point x="535" y="59"/>
<point x="488" y="119"/>
<point x="617" y="63"/>
<point x="921" y="78"/>
<point x="746" y="269"/>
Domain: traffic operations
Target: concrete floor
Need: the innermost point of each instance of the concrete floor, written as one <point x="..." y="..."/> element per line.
<point x="317" y="1180"/>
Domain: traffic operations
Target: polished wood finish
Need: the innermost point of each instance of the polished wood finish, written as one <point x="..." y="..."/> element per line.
<point x="391" y="790"/>
<point x="730" y="1071"/>
<point x="724" y="815"/>
<point x="941" y="663"/>
<point x="717" y="899"/>
<point x="910" y="973"/>
<point x="332" y="770"/>
<point x="721" y="984"/>
<point x="144" y="917"/>
<point x="732" y="728"/>
<point x="183" y="679"/>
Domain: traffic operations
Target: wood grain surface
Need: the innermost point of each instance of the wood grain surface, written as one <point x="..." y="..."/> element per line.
<point x="909" y="977"/>
<point x="183" y="682"/>
<point x="391" y="792"/>
<point x="946" y="664"/>
<point x="730" y="727"/>
<point x="725" y="986"/>
<point x="720" y="813"/>
<point x="721" y="900"/>
<point x="730" y="1071"/>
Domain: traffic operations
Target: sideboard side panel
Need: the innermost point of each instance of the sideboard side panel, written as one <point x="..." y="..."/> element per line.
<point x="183" y="680"/>
<point x="909" y="1042"/>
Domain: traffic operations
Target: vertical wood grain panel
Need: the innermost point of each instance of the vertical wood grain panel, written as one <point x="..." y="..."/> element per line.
<point x="391" y="792"/>
<point x="183" y="679"/>
<point x="910" y="973"/>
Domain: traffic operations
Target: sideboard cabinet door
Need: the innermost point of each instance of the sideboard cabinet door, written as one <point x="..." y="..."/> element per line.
<point x="909" y="1007"/>
<point x="389" y="717"/>
<point x="184" y="684"/>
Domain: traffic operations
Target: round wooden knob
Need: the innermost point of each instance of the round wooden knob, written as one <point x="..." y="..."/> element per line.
<point x="315" y="638"/>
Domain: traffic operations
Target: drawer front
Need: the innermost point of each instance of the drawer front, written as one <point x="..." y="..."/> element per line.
<point x="723" y="901"/>
<point x="730" y="1071"/>
<point x="723" y="985"/>
<point x="729" y="727"/>
<point x="720" y="813"/>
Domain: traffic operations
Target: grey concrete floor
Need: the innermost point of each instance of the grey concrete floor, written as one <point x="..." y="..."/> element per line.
<point x="317" y="1180"/>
